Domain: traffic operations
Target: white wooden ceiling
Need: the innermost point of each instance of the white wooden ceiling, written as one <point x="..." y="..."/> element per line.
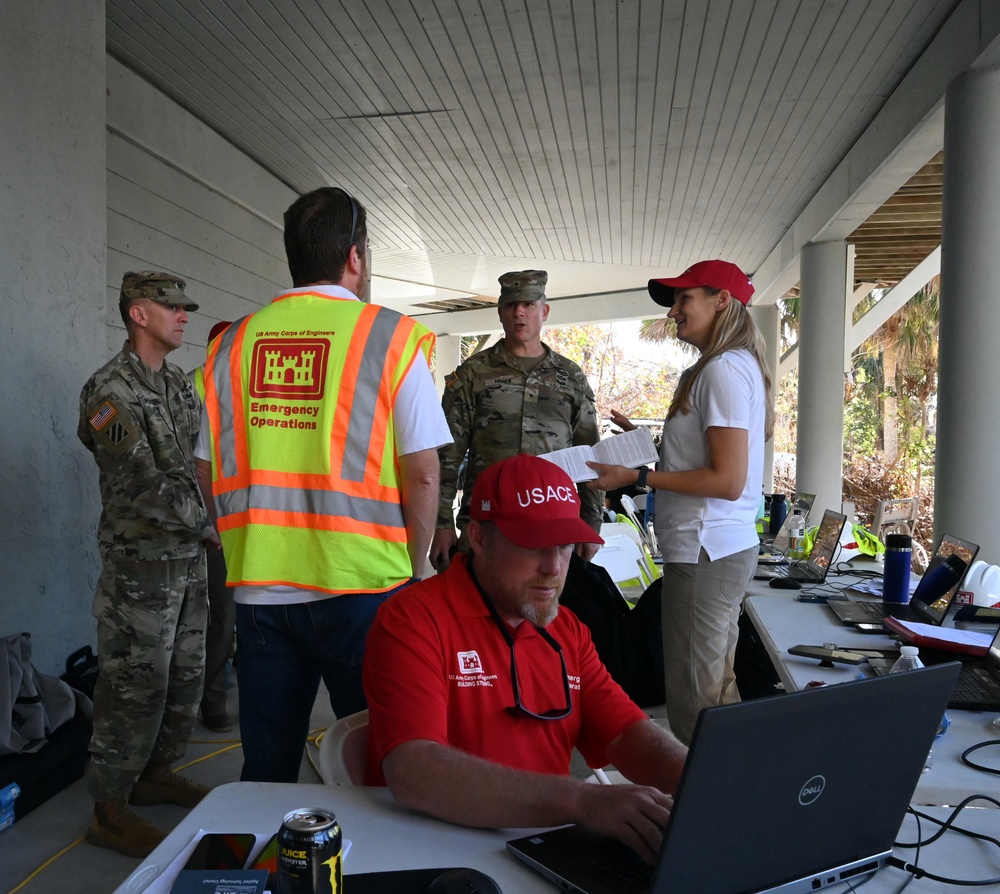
<point x="606" y="141"/>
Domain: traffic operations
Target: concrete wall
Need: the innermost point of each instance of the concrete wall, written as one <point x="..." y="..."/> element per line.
<point x="100" y="173"/>
<point x="52" y="275"/>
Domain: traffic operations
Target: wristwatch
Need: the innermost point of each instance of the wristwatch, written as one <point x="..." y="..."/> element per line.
<point x="643" y="475"/>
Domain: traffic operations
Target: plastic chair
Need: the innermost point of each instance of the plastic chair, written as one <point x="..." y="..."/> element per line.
<point x="625" y="527"/>
<point x="632" y="514"/>
<point x="898" y="516"/>
<point x="343" y="751"/>
<point x="625" y="563"/>
<point x="621" y="529"/>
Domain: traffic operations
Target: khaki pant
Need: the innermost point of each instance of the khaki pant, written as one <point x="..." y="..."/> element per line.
<point x="701" y="610"/>
<point x="151" y="620"/>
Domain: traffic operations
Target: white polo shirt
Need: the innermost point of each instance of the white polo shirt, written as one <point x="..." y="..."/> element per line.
<point x="728" y="393"/>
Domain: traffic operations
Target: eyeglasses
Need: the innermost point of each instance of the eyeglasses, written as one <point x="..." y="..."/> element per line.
<point x="354" y="218"/>
<point x="518" y="708"/>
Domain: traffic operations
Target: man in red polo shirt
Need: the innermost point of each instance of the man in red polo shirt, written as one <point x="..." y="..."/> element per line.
<point x="479" y="686"/>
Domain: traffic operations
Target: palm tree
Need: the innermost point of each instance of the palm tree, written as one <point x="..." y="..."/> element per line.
<point x="900" y="362"/>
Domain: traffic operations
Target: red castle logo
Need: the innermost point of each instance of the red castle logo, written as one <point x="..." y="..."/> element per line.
<point x="292" y="368"/>
<point x="469" y="663"/>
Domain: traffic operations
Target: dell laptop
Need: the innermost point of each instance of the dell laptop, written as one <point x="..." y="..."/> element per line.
<point x="773" y="797"/>
<point x="814" y="569"/>
<point x="854" y="613"/>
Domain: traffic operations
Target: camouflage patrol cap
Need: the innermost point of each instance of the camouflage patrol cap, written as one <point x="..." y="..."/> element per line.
<point x="522" y="285"/>
<point x="163" y="288"/>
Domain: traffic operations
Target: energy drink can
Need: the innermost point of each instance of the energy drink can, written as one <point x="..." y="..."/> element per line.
<point x="309" y="853"/>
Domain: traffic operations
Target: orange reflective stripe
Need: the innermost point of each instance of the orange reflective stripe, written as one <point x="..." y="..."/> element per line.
<point x="349" y="383"/>
<point x="226" y="415"/>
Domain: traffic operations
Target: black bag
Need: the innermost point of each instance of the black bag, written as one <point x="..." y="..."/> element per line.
<point x="81" y="671"/>
<point x="755" y="673"/>
<point x="46" y="772"/>
<point x="627" y="640"/>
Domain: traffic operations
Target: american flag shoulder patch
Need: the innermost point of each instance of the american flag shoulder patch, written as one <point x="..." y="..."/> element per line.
<point x="113" y="427"/>
<point x="105" y="413"/>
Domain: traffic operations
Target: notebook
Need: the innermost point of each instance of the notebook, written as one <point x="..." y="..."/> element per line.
<point x="853" y="613"/>
<point x="978" y="686"/>
<point x="804" y="503"/>
<point x="814" y="569"/>
<point x="827" y="817"/>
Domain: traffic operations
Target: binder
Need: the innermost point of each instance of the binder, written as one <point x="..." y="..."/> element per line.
<point x="947" y="639"/>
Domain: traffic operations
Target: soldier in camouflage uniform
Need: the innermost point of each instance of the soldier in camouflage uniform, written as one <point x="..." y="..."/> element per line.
<point x="139" y="416"/>
<point x="517" y="397"/>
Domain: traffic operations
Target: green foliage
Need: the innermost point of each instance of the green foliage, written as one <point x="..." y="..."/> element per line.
<point x="862" y="417"/>
<point x="637" y="386"/>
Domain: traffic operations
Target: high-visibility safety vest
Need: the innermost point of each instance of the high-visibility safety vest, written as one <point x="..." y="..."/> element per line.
<point x="300" y="399"/>
<point x="198" y="379"/>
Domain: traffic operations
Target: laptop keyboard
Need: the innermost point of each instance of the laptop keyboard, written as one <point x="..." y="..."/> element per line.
<point x="975" y="684"/>
<point x="802" y="573"/>
<point x="626" y="873"/>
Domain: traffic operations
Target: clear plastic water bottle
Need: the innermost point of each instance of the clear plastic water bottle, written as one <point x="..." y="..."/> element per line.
<point x="797" y="535"/>
<point x="909" y="659"/>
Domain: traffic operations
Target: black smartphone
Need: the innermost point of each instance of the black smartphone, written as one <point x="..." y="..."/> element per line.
<point x="268" y="859"/>
<point x="812" y="597"/>
<point x="218" y="850"/>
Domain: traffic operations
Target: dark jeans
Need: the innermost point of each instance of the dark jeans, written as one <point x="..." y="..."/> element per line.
<point x="218" y="637"/>
<point x="282" y="651"/>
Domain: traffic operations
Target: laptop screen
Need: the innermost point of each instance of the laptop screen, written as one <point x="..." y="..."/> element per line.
<point x="827" y="539"/>
<point x="773" y="796"/>
<point x="948" y="546"/>
<point x="778" y="793"/>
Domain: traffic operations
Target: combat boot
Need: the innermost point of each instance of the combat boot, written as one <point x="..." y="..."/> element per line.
<point x="116" y="827"/>
<point x="159" y="785"/>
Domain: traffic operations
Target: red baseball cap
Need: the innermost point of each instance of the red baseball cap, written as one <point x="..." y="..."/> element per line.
<point x="713" y="274"/>
<point x="533" y="502"/>
<point x="218" y="329"/>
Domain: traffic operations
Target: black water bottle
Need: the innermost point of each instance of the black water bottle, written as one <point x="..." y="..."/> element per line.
<point x="779" y="509"/>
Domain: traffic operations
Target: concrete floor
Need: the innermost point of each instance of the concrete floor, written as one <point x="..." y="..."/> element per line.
<point x="45" y="853"/>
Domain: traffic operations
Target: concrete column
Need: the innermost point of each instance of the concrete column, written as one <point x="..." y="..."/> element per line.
<point x="449" y="355"/>
<point x="967" y="487"/>
<point x="53" y="288"/>
<point x="822" y="333"/>
<point x="768" y="321"/>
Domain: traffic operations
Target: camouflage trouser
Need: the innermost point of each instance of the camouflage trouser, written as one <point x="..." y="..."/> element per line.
<point x="151" y="619"/>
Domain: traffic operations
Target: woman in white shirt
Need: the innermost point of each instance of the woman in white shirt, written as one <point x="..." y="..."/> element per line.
<point x="709" y="483"/>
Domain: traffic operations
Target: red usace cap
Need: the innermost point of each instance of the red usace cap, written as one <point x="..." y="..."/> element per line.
<point x="532" y="502"/>
<point x="710" y="274"/>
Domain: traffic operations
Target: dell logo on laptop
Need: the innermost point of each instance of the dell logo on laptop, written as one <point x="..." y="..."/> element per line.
<point x="812" y="790"/>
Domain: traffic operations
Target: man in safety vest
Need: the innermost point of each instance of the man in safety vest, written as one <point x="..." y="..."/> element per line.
<point x="320" y="438"/>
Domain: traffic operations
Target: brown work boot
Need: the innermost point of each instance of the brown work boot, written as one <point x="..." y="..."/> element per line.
<point x="159" y="785"/>
<point x="116" y="827"/>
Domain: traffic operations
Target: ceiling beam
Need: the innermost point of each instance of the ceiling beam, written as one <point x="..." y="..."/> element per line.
<point x="907" y="132"/>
